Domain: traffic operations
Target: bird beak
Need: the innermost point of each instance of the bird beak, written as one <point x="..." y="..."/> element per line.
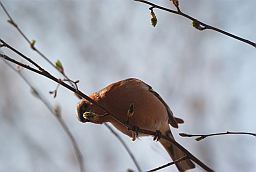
<point x="90" y="116"/>
<point x="81" y="118"/>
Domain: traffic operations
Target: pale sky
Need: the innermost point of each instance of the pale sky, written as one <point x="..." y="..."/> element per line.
<point x="207" y="79"/>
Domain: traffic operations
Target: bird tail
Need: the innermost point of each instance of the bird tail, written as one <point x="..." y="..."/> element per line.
<point x="175" y="153"/>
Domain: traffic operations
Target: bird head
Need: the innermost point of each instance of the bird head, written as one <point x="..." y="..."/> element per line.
<point x="88" y="112"/>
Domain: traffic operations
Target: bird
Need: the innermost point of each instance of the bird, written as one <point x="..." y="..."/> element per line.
<point x="135" y="102"/>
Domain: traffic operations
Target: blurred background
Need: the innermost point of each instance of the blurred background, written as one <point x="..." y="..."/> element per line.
<point x="207" y="79"/>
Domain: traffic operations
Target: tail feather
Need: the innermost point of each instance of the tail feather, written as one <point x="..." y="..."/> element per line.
<point x="175" y="153"/>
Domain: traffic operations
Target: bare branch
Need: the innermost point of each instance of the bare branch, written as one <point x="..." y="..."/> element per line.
<point x="203" y="136"/>
<point x="72" y="83"/>
<point x="124" y="145"/>
<point x="32" y="44"/>
<point x="3" y="44"/>
<point x="200" y="25"/>
<point x="42" y="72"/>
<point x="124" y="123"/>
<point x="169" y="164"/>
<point x="56" y="114"/>
<point x="176" y="4"/>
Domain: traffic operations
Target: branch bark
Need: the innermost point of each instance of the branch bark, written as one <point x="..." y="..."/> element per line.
<point x="77" y="91"/>
<point x="72" y="83"/>
<point x="200" y="137"/>
<point x="197" y="23"/>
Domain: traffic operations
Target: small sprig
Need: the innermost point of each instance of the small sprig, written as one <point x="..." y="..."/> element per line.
<point x="153" y="17"/>
<point x="197" y="25"/>
<point x="59" y="66"/>
<point x="32" y="44"/>
<point x="200" y="137"/>
<point x="12" y="22"/>
<point x="176" y="4"/>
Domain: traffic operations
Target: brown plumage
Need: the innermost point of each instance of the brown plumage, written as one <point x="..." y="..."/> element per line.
<point x="134" y="101"/>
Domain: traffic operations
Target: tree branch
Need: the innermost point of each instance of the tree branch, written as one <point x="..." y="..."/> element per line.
<point x="56" y="114"/>
<point x="124" y="145"/>
<point x="198" y="24"/>
<point x="203" y="136"/>
<point x="169" y="164"/>
<point x="32" y="44"/>
<point x="73" y="84"/>
<point x="77" y="91"/>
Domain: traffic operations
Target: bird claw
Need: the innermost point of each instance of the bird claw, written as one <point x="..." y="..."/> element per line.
<point x="135" y="132"/>
<point x="157" y="135"/>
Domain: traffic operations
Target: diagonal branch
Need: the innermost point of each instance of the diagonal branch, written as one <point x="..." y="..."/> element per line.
<point x="125" y="146"/>
<point x="73" y="84"/>
<point x="56" y="114"/>
<point x="203" y="136"/>
<point x="32" y="43"/>
<point x="169" y="164"/>
<point x="198" y="24"/>
<point x="46" y="74"/>
<point x="129" y="127"/>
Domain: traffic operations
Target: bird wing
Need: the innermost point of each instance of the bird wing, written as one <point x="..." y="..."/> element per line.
<point x="172" y="119"/>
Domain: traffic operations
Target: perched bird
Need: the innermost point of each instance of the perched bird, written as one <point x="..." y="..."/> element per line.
<point x="135" y="102"/>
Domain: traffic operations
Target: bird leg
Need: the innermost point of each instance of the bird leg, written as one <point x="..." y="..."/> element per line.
<point x="134" y="132"/>
<point x="157" y="135"/>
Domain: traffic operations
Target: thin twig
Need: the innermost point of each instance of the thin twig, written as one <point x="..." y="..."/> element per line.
<point x="200" y="24"/>
<point x="75" y="145"/>
<point x="169" y="164"/>
<point x="144" y="131"/>
<point x="47" y="75"/>
<point x="37" y="94"/>
<point x="203" y="136"/>
<point x="32" y="44"/>
<point x="125" y="146"/>
<point x="57" y="116"/>
<point x="72" y="83"/>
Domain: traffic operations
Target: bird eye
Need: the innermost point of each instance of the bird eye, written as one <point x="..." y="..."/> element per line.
<point x="83" y="108"/>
